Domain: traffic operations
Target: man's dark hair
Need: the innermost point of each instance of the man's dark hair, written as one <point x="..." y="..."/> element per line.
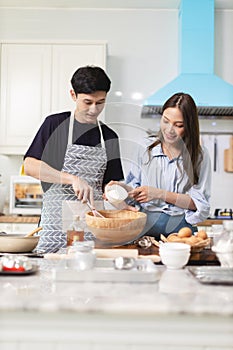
<point x="89" y="79"/>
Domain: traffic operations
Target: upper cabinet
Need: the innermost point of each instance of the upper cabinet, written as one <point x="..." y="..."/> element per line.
<point x="35" y="82"/>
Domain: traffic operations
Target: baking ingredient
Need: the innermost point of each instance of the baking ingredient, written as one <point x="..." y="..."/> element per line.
<point x="185" y="232"/>
<point x="202" y="234"/>
<point x="195" y="241"/>
<point x="115" y="194"/>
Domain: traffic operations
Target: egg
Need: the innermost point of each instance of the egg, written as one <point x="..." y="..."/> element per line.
<point x="185" y="232"/>
<point x="202" y="234"/>
<point x="173" y="238"/>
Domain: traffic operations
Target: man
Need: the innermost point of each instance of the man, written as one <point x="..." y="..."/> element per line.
<point x="74" y="155"/>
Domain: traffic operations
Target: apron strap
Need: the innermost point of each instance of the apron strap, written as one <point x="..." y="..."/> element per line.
<point x="71" y="125"/>
<point x="101" y="135"/>
<point x="70" y="134"/>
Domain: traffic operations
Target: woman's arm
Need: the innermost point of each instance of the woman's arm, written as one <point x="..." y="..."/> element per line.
<point x="145" y="194"/>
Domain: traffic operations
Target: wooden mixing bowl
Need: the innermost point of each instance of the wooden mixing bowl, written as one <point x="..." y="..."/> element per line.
<point x="118" y="227"/>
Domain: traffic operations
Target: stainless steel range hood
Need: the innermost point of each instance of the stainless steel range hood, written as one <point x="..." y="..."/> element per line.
<point x="213" y="95"/>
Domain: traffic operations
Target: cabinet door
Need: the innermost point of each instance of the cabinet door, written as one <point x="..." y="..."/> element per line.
<point x="66" y="60"/>
<point x="25" y="94"/>
<point x="35" y="82"/>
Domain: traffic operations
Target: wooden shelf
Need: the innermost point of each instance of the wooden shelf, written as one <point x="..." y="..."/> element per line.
<point x="19" y="219"/>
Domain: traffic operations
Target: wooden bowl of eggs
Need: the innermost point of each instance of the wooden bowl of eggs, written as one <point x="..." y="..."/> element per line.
<point x="197" y="242"/>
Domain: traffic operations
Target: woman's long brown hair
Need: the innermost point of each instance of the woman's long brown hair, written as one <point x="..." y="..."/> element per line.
<point x="191" y="151"/>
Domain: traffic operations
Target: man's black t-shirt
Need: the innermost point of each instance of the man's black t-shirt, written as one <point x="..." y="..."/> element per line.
<point x="50" y="142"/>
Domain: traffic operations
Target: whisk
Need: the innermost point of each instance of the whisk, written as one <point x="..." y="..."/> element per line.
<point x="94" y="211"/>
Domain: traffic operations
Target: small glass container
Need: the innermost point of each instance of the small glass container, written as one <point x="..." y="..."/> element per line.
<point x="75" y="231"/>
<point x="82" y="255"/>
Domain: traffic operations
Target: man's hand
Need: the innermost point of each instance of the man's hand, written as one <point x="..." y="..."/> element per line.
<point x="83" y="191"/>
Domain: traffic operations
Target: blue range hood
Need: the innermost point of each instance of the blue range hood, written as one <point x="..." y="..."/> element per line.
<point x="213" y="95"/>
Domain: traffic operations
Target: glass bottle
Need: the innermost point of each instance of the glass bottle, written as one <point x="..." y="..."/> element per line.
<point x="75" y="231"/>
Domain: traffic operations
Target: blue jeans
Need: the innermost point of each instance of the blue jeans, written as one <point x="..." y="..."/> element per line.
<point x="158" y="223"/>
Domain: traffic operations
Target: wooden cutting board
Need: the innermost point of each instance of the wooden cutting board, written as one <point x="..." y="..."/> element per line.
<point x="228" y="157"/>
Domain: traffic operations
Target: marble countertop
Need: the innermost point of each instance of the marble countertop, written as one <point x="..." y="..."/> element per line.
<point x="175" y="292"/>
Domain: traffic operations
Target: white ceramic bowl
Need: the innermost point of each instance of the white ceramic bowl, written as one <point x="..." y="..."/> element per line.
<point x="174" y="255"/>
<point x="115" y="194"/>
<point x="17" y="243"/>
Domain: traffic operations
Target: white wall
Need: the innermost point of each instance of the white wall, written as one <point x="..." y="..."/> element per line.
<point x="142" y="57"/>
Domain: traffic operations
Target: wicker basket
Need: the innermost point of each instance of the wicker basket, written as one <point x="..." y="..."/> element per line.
<point x="195" y="247"/>
<point x="118" y="227"/>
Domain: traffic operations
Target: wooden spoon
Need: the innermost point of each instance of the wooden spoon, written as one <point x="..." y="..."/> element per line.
<point x="33" y="232"/>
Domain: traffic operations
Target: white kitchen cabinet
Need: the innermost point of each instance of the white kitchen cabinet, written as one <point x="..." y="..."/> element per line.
<point x="25" y="89"/>
<point x="66" y="60"/>
<point x="35" y="81"/>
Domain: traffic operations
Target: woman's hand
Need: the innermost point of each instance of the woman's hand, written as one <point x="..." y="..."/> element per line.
<point x="144" y="194"/>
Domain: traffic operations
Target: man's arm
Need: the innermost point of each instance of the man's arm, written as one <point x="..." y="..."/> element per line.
<point x="42" y="171"/>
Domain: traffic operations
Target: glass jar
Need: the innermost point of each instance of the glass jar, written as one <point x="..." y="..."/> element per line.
<point x="75" y="231"/>
<point x="82" y="255"/>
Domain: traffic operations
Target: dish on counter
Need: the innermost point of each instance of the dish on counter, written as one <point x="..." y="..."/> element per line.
<point x="34" y="254"/>
<point x="144" y="271"/>
<point x="212" y="274"/>
<point x="30" y="271"/>
<point x="17" y="243"/>
<point x="16" y="265"/>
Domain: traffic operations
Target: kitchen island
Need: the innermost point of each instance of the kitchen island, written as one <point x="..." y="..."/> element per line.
<point x="174" y="312"/>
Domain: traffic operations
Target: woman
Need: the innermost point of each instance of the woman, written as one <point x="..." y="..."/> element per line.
<point x="74" y="155"/>
<point x="171" y="178"/>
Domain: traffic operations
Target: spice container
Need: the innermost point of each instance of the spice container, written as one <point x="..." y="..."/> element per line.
<point x="75" y="231"/>
<point x="82" y="255"/>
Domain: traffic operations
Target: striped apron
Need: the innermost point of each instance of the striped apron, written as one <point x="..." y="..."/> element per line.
<point x="87" y="162"/>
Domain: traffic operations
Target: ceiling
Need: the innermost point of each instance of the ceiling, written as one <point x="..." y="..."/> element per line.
<point x="107" y="4"/>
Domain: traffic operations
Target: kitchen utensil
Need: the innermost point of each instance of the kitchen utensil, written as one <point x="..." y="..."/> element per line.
<point x="33" y="232"/>
<point x="115" y="194"/>
<point x="153" y="257"/>
<point x="118" y="227"/>
<point x="174" y="255"/>
<point x="144" y="242"/>
<point x="114" y="253"/>
<point x="94" y="211"/>
<point x="17" y="243"/>
<point x="213" y="274"/>
<point x="215" y="154"/>
<point x="124" y="263"/>
<point x="144" y="271"/>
